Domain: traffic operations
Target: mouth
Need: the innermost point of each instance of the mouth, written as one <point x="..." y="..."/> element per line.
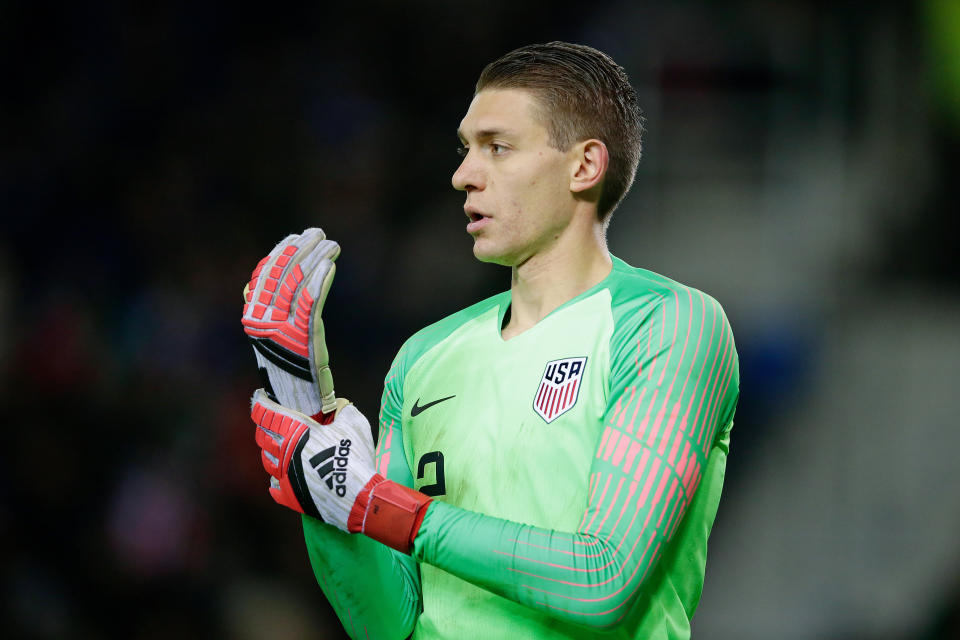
<point x="477" y="219"/>
<point x="473" y="213"/>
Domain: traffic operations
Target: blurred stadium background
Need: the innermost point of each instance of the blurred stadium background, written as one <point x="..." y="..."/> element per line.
<point x="800" y="165"/>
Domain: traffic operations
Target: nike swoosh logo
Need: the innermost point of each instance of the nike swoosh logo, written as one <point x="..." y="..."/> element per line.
<point x="417" y="409"/>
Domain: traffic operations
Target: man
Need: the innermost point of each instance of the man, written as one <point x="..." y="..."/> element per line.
<point x="550" y="459"/>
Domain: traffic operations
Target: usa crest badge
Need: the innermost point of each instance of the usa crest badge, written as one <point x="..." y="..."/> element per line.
<point x="559" y="387"/>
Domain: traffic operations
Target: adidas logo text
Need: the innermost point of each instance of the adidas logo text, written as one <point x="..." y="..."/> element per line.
<point x="331" y="464"/>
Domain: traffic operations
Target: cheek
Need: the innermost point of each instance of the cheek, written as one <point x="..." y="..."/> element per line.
<point x="541" y="194"/>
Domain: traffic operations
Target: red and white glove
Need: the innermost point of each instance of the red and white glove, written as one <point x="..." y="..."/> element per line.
<point x="327" y="471"/>
<point x="281" y="316"/>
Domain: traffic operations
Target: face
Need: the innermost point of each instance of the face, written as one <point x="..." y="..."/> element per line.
<point x="518" y="187"/>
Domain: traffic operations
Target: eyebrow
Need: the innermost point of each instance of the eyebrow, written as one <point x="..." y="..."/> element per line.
<point x="487" y="134"/>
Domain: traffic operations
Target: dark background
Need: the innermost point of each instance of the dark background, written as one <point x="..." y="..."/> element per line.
<point x="799" y="165"/>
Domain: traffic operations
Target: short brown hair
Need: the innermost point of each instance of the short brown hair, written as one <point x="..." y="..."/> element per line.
<point x="584" y="94"/>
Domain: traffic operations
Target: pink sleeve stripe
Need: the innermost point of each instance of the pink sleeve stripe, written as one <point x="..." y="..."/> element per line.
<point x="672" y="527"/>
<point x="634" y="449"/>
<point x="648" y="336"/>
<point x="721" y="393"/>
<point x="660" y="487"/>
<point x="651" y="478"/>
<point x="628" y="598"/>
<point x="659" y="423"/>
<point x="683" y="458"/>
<point x="593" y="490"/>
<point x="621" y="450"/>
<point x="673" y="341"/>
<point x="562" y="535"/>
<point x="626" y="503"/>
<point x="386" y="387"/>
<point x="714" y="402"/>
<point x="706" y="358"/>
<point x="700" y="417"/>
<point x="636" y="408"/>
<point x="669" y="501"/>
<point x="652" y="563"/>
<point x="673" y="443"/>
<point x="696" y="351"/>
<point x="611" y="443"/>
<point x="716" y="416"/>
<point x="616" y="551"/>
<point x="643" y="529"/>
<point x="715" y="374"/>
<point x="552" y="535"/>
<point x="669" y="394"/>
<point x="652" y="361"/>
<point x="603" y="441"/>
<point x="603" y="494"/>
<point x="383" y="403"/>
<point x="646" y="418"/>
<point x="551" y="549"/>
<point x="388" y="448"/>
<point x="623" y="509"/>
<point x="644" y="458"/>
<point x="672" y="431"/>
<point x="636" y="357"/>
<point x="589" y="585"/>
<point x="673" y="523"/>
<point x="677" y="404"/>
<point x="692" y="464"/>
<point x="616" y="409"/>
<point x="612" y="594"/>
<point x="679" y="507"/>
<point x="692" y="468"/>
<point x="663" y="328"/>
<point x="613" y="502"/>
<point x="623" y="414"/>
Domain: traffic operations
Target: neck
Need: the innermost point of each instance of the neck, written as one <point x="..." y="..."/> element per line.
<point x="576" y="261"/>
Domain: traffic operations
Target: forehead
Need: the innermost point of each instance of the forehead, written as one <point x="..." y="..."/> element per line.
<point x="509" y="111"/>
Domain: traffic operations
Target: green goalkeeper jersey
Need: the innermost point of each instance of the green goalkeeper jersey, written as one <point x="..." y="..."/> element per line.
<point x="575" y="471"/>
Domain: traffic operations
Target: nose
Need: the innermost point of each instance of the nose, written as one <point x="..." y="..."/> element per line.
<point x="468" y="176"/>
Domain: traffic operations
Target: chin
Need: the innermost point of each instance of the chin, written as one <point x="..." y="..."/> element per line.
<point x="486" y="253"/>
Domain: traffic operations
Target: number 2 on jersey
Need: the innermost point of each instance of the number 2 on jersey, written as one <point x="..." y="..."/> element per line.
<point x="439" y="487"/>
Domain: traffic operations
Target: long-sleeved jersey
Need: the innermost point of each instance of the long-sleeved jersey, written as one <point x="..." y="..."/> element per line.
<point x="576" y="471"/>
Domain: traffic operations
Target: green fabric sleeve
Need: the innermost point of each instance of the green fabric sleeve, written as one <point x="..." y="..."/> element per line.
<point x="674" y="384"/>
<point x="374" y="590"/>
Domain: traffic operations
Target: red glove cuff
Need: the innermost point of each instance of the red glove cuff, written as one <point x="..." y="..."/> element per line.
<point x="389" y="513"/>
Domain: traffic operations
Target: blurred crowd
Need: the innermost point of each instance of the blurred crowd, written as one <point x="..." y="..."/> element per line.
<point x="152" y="155"/>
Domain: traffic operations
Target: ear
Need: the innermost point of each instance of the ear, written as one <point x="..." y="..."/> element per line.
<point x="591" y="160"/>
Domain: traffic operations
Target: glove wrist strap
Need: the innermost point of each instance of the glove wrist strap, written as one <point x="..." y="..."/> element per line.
<point x="389" y="513"/>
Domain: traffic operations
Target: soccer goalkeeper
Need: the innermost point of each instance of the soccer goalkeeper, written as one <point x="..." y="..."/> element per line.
<point x="550" y="459"/>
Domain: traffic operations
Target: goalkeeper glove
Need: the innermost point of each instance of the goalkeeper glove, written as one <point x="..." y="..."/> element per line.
<point x="281" y="316"/>
<point x="327" y="471"/>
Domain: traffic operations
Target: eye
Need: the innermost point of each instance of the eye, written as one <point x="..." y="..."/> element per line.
<point x="497" y="149"/>
<point x="462" y="150"/>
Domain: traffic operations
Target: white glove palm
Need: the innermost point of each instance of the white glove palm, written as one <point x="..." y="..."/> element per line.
<point x="282" y="317"/>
